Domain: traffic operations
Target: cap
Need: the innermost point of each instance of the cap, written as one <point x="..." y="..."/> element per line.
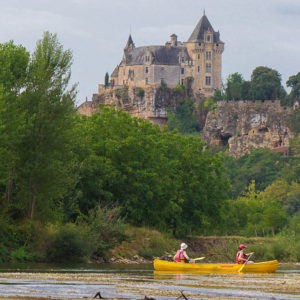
<point x="183" y="246"/>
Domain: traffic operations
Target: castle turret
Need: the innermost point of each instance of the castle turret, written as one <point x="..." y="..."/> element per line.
<point x="206" y="48"/>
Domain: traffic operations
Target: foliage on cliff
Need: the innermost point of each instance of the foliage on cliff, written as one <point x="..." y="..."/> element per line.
<point x="265" y="84"/>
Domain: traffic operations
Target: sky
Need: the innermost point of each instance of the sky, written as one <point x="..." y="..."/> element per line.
<point x="255" y="32"/>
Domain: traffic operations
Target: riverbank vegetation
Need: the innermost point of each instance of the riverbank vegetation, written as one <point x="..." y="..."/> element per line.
<point x="77" y="188"/>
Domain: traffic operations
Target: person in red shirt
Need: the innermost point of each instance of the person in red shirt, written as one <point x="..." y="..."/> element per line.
<point x="241" y="256"/>
<point x="181" y="255"/>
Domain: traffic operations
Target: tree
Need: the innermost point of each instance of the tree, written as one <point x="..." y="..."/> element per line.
<point x="234" y="86"/>
<point x="274" y="216"/>
<point x="13" y="66"/>
<point x="294" y="83"/>
<point x="210" y="104"/>
<point x="158" y="178"/>
<point x="44" y="168"/>
<point x="219" y="95"/>
<point x="106" y="80"/>
<point x="246" y="90"/>
<point x="184" y="118"/>
<point x="265" y="84"/>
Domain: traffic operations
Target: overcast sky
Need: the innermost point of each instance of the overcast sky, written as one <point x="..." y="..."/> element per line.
<point x="255" y="32"/>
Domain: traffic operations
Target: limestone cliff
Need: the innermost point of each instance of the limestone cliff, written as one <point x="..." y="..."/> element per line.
<point x="245" y="125"/>
<point x="152" y="103"/>
<point x="242" y="125"/>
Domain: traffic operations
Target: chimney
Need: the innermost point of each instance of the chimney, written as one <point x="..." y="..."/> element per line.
<point x="174" y="40"/>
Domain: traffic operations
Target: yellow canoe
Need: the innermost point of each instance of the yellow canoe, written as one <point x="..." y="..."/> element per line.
<point x="261" y="267"/>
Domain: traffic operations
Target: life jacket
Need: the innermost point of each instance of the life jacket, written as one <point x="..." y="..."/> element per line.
<point x="179" y="257"/>
<point x="237" y="258"/>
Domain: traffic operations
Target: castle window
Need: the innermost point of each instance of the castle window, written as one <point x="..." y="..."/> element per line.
<point x="208" y="38"/>
<point x="208" y="68"/>
<point x="207" y="80"/>
<point x="208" y="55"/>
<point x="182" y="59"/>
<point x="182" y="81"/>
<point x="147" y="58"/>
<point x="182" y="70"/>
<point x="146" y="70"/>
<point x="146" y="80"/>
<point x="198" y="69"/>
<point x="198" y="56"/>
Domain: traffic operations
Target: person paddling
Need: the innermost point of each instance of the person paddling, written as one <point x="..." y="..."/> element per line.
<point x="241" y="256"/>
<point x="181" y="255"/>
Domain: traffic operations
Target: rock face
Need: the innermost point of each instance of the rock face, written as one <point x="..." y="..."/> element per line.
<point x="245" y="125"/>
<point x="150" y="104"/>
<point x="242" y="125"/>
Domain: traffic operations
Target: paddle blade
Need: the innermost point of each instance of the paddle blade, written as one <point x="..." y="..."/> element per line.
<point x="199" y="258"/>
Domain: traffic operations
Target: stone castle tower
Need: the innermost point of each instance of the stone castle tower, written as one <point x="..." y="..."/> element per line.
<point x="200" y="58"/>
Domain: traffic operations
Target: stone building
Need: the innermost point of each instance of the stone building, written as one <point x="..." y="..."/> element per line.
<point x="135" y="84"/>
<point x="199" y="58"/>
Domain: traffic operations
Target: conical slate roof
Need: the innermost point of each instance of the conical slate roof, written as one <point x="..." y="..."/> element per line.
<point x="203" y="26"/>
<point x="129" y="42"/>
<point x="115" y="72"/>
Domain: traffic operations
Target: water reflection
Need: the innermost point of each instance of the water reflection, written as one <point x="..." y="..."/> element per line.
<point x="136" y="281"/>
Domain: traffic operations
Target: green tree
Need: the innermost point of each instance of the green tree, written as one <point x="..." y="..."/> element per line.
<point x="13" y="66"/>
<point x="183" y="119"/>
<point x="106" y="80"/>
<point x="294" y="83"/>
<point x="210" y="104"/>
<point x="246" y="90"/>
<point x="234" y="86"/>
<point x="44" y="166"/>
<point x="293" y="123"/>
<point x="266" y="84"/>
<point x="252" y="199"/>
<point x="274" y="216"/>
<point x="158" y="178"/>
<point x="219" y="95"/>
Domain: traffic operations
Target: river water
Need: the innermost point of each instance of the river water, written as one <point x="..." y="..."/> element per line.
<point x="30" y="281"/>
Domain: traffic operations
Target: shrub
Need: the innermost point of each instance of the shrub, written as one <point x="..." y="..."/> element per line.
<point x="4" y="253"/>
<point x="21" y="255"/>
<point x="163" y="86"/>
<point x="297" y="251"/>
<point x="140" y="92"/>
<point x="281" y="250"/>
<point x="106" y="229"/>
<point x="179" y="89"/>
<point x="69" y="243"/>
<point x="156" y="245"/>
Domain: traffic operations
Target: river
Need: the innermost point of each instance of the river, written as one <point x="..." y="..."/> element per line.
<point x="42" y="281"/>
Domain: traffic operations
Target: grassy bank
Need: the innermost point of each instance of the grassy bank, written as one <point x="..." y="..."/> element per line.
<point x="103" y="239"/>
<point x="149" y="244"/>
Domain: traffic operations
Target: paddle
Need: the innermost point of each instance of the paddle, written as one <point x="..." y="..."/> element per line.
<point x="199" y="258"/>
<point x="242" y="267"/>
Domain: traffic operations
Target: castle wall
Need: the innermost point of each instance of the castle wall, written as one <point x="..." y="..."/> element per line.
<point x="169" y="74"/>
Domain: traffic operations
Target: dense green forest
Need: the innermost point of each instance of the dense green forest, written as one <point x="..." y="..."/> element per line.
<point x="70" y="185"/>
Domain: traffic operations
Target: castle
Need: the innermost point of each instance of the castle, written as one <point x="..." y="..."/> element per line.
<point x="200" y="58"/>
<point x="135" y="84"/>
